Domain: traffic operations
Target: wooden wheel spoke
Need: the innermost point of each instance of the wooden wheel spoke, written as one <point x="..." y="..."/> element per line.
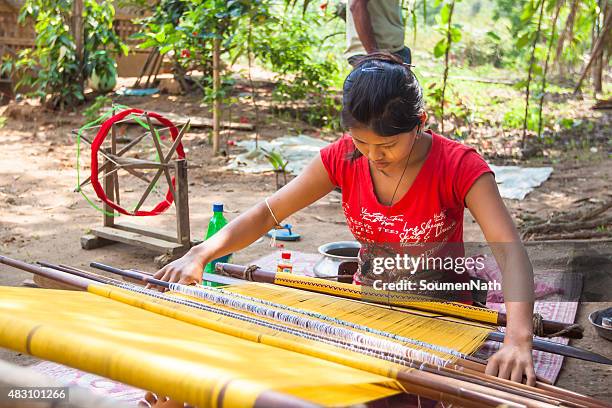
<point x="177" y="141"/>
<point x="114" y="152"/>
<point x="161" y="156"/>
<point x="148" y="190"/>
<point x="130" y="170"/>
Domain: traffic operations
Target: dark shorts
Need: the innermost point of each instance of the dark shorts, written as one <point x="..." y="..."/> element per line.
<point x="404" y="54"/>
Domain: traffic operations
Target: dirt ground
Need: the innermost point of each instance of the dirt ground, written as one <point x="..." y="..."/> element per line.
<point x="41" y="218"/>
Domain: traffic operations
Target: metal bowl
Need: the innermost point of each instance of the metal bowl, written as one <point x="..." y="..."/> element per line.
<point x="596" y="317"/>
<point x="336" y="255"/>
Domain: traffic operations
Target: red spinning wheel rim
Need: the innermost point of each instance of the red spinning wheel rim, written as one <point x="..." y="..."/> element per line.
<point x="95" y="147"/>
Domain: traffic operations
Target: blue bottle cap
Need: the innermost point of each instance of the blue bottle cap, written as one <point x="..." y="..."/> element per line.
<point x="217" y="207"/>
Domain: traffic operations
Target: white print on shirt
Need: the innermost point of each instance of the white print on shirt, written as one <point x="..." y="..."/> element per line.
<point x="437" y="225"/>
<point x="369" y="224"/>
<point x="380" y="218"/>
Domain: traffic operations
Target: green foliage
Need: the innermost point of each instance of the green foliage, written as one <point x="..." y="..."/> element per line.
<point x="92" y="112"/>
<point x="289" y="45"/>
<point x="451" y="33"/>
<point x="2" y="121"/>
<point x="227" y="84"/>
<point x="513" y="118"/>
<point x="276" y="159"/>
<point x="483" y="50"/>
<point x="277" y="36"/>
<point x="184" y="29"/>
<point x="52" y="68"/>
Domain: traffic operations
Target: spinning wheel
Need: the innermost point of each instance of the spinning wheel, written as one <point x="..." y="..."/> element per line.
<point x="104" y="179"/>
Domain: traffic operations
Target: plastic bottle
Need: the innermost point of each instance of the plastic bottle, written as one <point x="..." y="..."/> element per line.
<point x="284" y="263"/>
<point x="217" y="221"/>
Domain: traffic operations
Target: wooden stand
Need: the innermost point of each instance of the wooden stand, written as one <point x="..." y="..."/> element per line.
<point x="171" y="246"/>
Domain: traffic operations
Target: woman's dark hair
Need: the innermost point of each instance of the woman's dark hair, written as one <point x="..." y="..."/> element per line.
<point x="382" y="94"/>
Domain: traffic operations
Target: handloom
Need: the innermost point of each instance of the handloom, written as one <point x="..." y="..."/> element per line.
<point x="204" y="292"/>
<point x="226" y="350"/>
<point x="393" y="299"/>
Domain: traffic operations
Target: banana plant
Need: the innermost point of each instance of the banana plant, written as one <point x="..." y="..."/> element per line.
<point x="279" y="164"/>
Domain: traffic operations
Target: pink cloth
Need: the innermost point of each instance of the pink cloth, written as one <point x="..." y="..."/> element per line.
<point x="547" y="366"/>
<point x="98" y="385"/>
<point x="491" y="272"/>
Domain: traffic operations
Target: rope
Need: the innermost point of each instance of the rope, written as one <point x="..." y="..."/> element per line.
<point x="248" y="272"/>
<point x="538" y="328"/>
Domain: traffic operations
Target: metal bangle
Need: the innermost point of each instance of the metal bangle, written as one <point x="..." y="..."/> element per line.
<point x="278" y="225"/>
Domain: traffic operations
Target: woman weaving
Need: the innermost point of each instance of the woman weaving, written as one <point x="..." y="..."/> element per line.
<point x="400" y="185"/>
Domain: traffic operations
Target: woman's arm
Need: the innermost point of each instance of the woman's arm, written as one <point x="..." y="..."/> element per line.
<point x="514" y="360"/>
<point x="312" y="184"/>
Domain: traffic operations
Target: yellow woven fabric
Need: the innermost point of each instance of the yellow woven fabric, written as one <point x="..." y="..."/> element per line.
<point x="456" y="335"/>
<point x="359" y="292"/>
<point x="168" y="356"/>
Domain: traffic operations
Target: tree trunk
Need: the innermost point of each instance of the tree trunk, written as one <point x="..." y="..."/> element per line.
<point x="529" y="74"/>
<point x="597" y="70"/>
<point x="598" y="47"/>
<point x="77" y="32"/>
<point x="216" y="91"/>
<point x="446" y="56"/>
<point x="568" y="33"/>
<point x="545" y="72"/>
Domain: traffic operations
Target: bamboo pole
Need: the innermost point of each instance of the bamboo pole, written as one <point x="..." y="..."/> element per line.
<point x="77" y="32"/>
<point x="530" y="72"/>
<point x="598" y="48"/>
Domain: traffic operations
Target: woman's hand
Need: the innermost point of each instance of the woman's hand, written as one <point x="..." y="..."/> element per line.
<point x="186" y="270"/>
<point x="513" y="361"/>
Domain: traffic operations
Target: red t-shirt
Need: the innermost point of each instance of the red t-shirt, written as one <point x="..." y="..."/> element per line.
<point x="432" y="209"/>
